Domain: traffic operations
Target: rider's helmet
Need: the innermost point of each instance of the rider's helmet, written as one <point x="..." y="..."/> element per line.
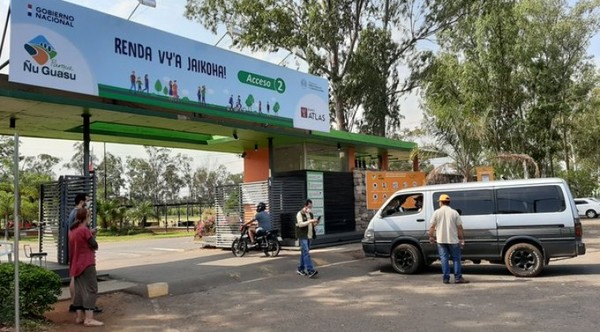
<point x="260" y="207"/>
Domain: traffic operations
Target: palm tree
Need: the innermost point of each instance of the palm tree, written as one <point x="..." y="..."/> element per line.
<point x="106" y="212"/>
<point x="142" y="210"/>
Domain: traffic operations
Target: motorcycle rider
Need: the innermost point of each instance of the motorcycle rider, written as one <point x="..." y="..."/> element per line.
<point x="262" y="219"/>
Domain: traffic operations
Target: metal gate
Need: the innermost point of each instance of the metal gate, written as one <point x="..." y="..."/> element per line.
<point x="237" y="203"/>
<point x="57" y="199"/>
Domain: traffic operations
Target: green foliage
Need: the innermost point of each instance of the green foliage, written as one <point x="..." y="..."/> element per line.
<point x="39" y="290"/>
<point x="326" y="35"/>
<point x="250" y="101"/>
<point x="141" y="211"/>
<point x="583" y="183"/>
<point x="158" y="86"/>
<point x="276" y="107"/>
<point x="165" y="91"/>
<point x="510" y="78"/>
<point x="114" y="176"/>
<point x="76" y="162"/>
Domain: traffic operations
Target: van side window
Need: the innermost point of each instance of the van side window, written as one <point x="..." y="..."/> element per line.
<point x="539" y="199"/>
<point x="469" y="202"/>
<point x="404" y="204"/>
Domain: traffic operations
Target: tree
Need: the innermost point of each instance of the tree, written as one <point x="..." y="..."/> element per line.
<point x="250" y="102"/>
<point x="508" y="79"/>
<point x="326" y="34"/>
<point x="141" y="211"/>
<point x="113" y="177"/>
<point x="206" y="180"/>
<point x="76" y="162"/>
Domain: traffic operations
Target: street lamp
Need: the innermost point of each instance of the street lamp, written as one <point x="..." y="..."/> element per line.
<point x="149" y="3"/>
<point x="232" y="31"/>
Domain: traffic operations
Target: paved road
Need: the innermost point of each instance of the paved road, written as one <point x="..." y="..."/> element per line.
<point x="214" y="291"/>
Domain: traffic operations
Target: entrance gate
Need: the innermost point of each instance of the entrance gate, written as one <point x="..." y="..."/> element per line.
<point x="57" y="199"/>
<point x="237" y="203"/>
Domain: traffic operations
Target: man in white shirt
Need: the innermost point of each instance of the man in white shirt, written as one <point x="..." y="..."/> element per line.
<point x="447" y="231"/>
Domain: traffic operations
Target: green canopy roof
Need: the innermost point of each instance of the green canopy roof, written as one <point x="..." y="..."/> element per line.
<point x="48" y="113"/>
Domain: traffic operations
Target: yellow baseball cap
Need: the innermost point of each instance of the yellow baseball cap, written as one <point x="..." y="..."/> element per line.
<point x="444" y="198"/>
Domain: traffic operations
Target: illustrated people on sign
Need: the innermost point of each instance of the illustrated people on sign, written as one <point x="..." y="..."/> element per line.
<point x="203" y="93"/>
<point x="259" y="106"/>
<point x="146" y="84"/>
<point x="447" y="231"/>
<point x="170" y="89"/>
<point x="139" y="84"/>
<point x="82" y="268"/>
<point x="260" y="223"/>
<point x="199" y="94"/>
<point x="175" y="87"/>
<point x="132" y="81"/>
<point x="268" y="107"/>
<point x="305" y="232"/>
<point x="231" y="102"/>
<point x="238" y="103"/>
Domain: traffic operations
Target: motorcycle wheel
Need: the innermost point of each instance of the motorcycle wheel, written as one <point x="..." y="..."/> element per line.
<point x="239" y="247"/>
<point x="273" y="248"/>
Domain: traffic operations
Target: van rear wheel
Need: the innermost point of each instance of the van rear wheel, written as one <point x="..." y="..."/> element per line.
<point x="406" y="259"/>
<point x="524" y="260"/>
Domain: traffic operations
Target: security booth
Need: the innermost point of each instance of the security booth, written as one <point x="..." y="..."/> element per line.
<point x="330" y="173"/>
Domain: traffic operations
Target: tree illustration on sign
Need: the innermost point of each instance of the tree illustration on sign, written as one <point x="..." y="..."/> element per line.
<point x="276" y="107"/>
<point x="158" y="86"/>
<point x="250" y="102"/>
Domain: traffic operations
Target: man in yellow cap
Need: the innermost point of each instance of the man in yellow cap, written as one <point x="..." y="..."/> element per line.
<point x="446" y="230"/>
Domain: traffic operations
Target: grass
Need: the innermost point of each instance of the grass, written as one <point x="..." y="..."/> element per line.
<point x="155" y="234"/>
<point x="105" y="236"/>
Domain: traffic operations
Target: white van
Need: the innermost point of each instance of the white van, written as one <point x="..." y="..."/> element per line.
<point x="523" y="223"/>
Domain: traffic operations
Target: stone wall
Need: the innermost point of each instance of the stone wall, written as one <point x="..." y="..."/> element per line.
<point x="361" y="213"/>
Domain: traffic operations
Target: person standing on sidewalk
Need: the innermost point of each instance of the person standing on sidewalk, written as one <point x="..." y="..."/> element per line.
<point x="80" y="203"/>
<point x="82" y="268"/>
<point x="447" y="231"/>
<point x="305" y="231"/>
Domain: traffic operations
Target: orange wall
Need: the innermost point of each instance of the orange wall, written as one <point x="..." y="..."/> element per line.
<point x="351" y="158"/>
<point x="256" y="165"/>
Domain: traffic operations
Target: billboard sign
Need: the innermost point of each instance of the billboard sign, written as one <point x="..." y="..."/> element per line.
<point x="60" y="45"/>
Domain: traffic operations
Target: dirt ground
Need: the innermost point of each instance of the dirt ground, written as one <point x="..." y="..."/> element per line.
<point x="122" y="312"/>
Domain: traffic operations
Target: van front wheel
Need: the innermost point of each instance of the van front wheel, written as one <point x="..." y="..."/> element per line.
<point x="524" y="260"/>
<point x="406" y="259"/>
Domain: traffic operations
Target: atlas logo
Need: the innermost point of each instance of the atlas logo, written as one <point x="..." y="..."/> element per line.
<point x="40" y="49"/>
<point x="309" y="113"/>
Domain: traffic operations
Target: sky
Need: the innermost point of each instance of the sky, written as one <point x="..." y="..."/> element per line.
<point x="168" y="16"/>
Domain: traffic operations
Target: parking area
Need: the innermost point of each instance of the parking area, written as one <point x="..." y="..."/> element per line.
<point x="354" y="293"/>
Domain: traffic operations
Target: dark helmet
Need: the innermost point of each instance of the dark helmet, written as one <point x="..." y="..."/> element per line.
<point x="260" y="207"/>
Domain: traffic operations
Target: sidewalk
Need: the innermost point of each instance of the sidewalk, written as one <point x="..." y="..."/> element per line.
<point x="208" y="268"/>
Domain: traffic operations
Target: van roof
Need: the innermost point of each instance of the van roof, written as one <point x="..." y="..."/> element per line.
<point x="487" y="184"/>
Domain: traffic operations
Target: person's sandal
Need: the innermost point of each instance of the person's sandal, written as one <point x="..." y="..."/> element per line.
<point x="92" y="322"/>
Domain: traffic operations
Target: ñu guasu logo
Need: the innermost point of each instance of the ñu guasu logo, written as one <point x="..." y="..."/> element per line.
<point x="40" y="49"/>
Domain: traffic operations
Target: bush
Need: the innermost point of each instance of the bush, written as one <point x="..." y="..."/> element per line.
<point x="39" y="291"/>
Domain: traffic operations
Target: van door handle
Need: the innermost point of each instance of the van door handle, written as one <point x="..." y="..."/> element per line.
<point x="420" y="220"/>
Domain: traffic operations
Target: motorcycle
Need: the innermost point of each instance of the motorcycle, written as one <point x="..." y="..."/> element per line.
<point x="268" y="242"/>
